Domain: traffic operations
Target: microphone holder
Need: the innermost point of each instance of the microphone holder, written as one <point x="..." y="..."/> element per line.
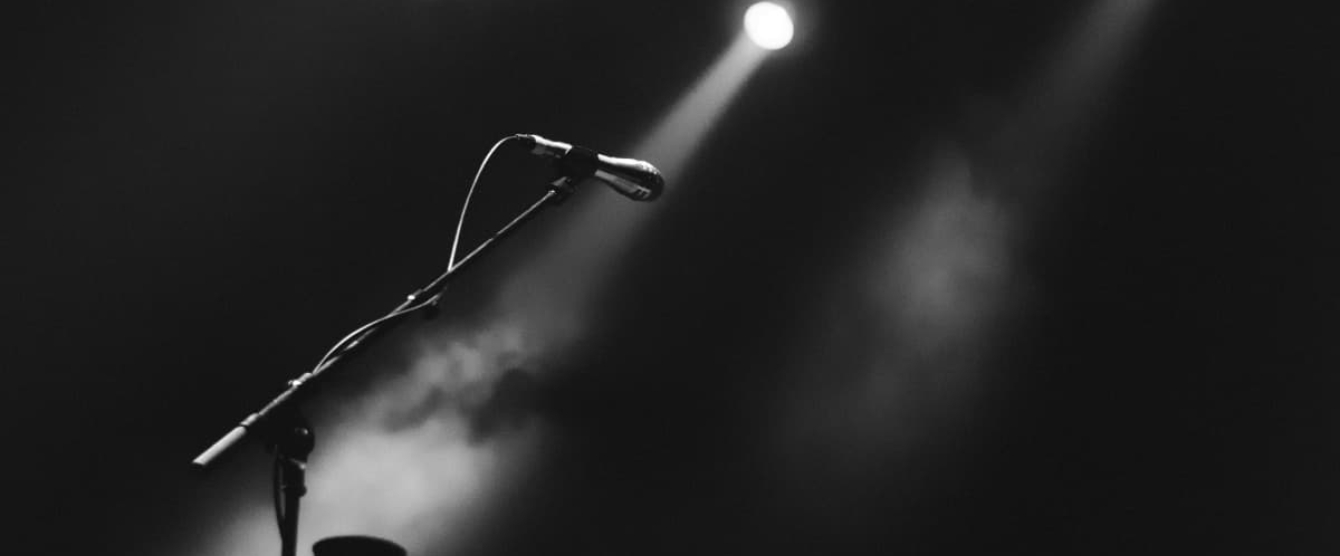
<point x="284" y="430"/>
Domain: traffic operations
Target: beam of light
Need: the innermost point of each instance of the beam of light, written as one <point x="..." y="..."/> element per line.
<point x="1068" y="92"/>
<point x="937" y="278"/>
<point x="683" y="129"/>
<point x="408" y="461"/>
<point x="769" y="25"/>
<point x="576" y="264"/>
<point x="1090" y="57"/>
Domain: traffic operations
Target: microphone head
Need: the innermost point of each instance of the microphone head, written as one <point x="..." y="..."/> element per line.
<point x="656" y="184"/>
<point x="636" y="179"/>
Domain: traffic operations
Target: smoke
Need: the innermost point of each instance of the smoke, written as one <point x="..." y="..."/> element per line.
<point x="908" y="336"/>
<point x="416" y="459"/>
<point x="421" y="456"/>
<point x="939" y="289"/>
<point x="947" y="260"/>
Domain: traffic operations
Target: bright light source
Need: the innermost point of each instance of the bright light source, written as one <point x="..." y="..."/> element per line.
<point x="769" y="25"/>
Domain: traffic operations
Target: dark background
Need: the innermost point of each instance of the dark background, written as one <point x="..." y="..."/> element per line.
<point x="204" y="196"/>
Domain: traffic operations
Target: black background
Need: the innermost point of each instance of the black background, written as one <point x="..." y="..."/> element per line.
<point x="201" y="197"/>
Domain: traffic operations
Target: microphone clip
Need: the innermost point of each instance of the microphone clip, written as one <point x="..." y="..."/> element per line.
<point x="562" y="185"/>
<point x="577" y="164"/>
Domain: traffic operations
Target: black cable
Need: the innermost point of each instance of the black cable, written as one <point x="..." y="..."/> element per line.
<point x="351" y="339"/>
<point x="460" y="222"/>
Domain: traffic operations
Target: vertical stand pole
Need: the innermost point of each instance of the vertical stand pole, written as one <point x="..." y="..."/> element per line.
<point x="292" y="446"/>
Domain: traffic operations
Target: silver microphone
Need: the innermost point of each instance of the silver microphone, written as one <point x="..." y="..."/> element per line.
<point x="635" y="179"/>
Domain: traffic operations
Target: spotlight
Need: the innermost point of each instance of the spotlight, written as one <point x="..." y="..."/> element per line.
<point x="768" y="25"/>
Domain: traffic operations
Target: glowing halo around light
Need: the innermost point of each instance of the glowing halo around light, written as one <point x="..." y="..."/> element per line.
<point x="769" y="25"/>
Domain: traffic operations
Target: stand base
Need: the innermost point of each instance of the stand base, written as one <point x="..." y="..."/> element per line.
<point x="357" y="546"/>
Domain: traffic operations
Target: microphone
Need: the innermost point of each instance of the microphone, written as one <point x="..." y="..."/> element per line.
<point x="635" y="179"/>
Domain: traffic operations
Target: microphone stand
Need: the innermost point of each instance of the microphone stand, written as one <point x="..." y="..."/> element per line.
<point x="284" y="430"/>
